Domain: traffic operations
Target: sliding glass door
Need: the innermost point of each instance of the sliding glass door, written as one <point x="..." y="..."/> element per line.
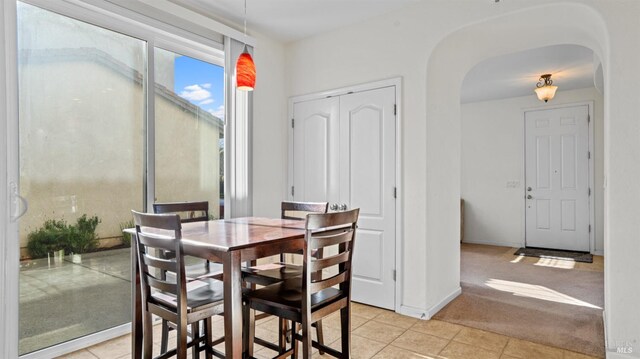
<point x="81" y="124"/>
<point x="94" y="143"/>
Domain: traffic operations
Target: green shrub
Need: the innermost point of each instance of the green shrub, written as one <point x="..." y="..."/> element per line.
<point x="82" y="237"/>
<point x="48" y="238"/>
<point x="126" y="237"/>
<point x="55" y="235"/>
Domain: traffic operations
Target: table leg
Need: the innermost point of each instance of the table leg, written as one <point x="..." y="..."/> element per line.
<point x="233" y="305"/>
<point x="136" y="315"/>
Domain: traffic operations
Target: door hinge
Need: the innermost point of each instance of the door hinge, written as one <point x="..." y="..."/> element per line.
<point x="589" y="191"/>
<point x="394" y="274"/>
<point x="293" y="190"/>
<point x="395" y="109"/>
<point x="395" y="192"/>
<point x="589" y="228"/>
<point x="588" y="118"/>
<point x="293" y="123"/>
<point x="589" y="154"/>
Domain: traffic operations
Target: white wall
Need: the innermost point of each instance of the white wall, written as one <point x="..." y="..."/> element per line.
<point x="492" y="155"/>
<point x="269" y="128"/>
<point x="432" y="45"/>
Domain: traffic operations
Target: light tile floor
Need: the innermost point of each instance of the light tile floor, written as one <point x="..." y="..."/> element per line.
<point x="378" y="333"/>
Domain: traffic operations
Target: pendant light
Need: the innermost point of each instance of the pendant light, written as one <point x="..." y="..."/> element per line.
<point x="545" y="89"/>
<point x="245" y="68"/>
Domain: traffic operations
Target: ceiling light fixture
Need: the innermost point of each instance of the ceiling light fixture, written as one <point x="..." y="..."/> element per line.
<point x="545" y="89"/>
<point x="245" y="68"/>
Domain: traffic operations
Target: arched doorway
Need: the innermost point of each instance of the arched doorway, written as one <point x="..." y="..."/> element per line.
<point x="451" y="60"/>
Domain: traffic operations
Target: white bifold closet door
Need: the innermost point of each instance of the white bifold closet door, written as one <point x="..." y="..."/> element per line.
<point x="344" y="153"/>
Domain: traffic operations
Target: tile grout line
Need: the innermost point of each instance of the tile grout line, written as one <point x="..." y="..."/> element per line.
<point x="386" y="344"/>
<point x="449" y="342"/>
<point x="504" y="348"/>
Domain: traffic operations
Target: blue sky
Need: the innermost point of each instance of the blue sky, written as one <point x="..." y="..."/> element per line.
<point x="201" y="83"/>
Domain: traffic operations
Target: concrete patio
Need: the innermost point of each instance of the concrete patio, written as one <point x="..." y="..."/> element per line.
<point x="66" y="300"/>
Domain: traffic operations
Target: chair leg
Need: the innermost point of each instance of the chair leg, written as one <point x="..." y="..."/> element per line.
<point x="195" y="340"/>
<point x="208" y="329"/>
<point x="345" y="328"/>
<point x="294" y="344"/>
<point x="249" y="327"/>
<point x="283" y="332"/>
<point x="306" y="338"/>
<point x="165" y="336"/>
<point x="147" y="332"/>
<point x="286" y="330"/>
<point x="318" y="325"/>
<point x="181" y="342"/>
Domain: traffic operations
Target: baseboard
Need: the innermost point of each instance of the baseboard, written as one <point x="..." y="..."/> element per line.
<point x="436" y="308"/>
<point x="414" y="312"/>
<point x="598" y="253"/>
<point x="495" y="243"/>
<point x="614" y="355"/>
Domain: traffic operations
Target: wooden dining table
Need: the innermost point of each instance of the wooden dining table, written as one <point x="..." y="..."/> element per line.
<point x="230" y="242"/>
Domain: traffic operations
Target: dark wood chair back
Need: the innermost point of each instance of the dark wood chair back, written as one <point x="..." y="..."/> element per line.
<point x="155" y="234"/>
<point x="163" y="280"/>
<point x="298" y="210"/>
<point x="316" y="290"/>
<point x="188" y="211"/>
<point x="325" y="230"/>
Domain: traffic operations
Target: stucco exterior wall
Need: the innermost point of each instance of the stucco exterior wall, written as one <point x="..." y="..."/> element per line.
<point x="82" y="147"/>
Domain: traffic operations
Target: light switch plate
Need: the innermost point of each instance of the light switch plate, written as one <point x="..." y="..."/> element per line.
<point x="513" y="184"/>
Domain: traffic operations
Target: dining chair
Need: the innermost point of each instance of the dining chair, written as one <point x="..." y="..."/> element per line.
<point x="313" y="296"/>
<point x="196" y="268"/>
<point x="267" y="274"/>
<point x="175" y="300"/>
<point x="192" y="212"/>
<point x="188" y="211"/>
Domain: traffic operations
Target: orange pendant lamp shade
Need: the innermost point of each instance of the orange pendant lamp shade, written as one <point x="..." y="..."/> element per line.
<point x="245" y="72"/>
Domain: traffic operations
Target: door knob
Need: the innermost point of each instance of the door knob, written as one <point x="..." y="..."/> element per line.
<point x="529" y="189"/>
<point x="343" y="207"/>
<point x="529" y="196"/>
<point x="334" y="207"/>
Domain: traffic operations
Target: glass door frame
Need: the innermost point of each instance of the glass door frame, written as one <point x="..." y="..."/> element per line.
<point x="9" y="247"/>
<point x="116" y="19"/>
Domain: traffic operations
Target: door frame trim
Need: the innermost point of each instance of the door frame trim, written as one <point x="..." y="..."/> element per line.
<point x="591" y="163"/>
<point x="374" y="85"/>
<point x="9" y="268"/>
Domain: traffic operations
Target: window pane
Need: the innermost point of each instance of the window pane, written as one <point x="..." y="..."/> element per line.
<point x="81" y="164"/>
<point x="189" y="129"/>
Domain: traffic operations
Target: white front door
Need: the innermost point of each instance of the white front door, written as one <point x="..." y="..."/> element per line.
<point x="557" y="178"/>
<point x="344" y="153"/>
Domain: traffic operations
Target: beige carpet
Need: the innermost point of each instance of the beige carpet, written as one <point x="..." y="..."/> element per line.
<point x="551" y="302"/>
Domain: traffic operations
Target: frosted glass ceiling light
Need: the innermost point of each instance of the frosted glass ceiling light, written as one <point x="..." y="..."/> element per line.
<point x="545" y="89"/>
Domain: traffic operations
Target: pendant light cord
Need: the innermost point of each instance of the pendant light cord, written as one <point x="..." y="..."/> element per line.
<point x="245" y="22"/>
